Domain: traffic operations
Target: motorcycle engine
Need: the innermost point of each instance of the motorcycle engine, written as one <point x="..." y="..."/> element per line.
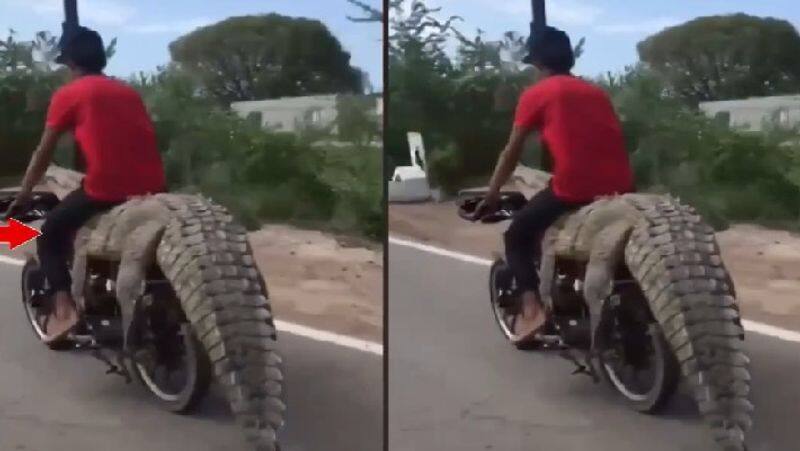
<point x="568" y="297"/>
<point x="570" y="314"/>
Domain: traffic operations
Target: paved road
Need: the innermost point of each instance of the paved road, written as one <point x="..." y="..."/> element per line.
<point x="53" y="401"/>
<point x="455" y="384"/>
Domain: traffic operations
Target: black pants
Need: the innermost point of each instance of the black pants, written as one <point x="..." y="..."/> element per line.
<point x="54" y="246"/>
<point x="524" y="235"/>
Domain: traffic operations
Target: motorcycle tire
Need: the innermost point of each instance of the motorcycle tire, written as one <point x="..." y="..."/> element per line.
<point x="32" y="281"/>
<point x="665" y="380"/>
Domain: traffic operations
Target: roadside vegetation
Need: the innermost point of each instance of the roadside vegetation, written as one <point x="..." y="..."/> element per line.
<point x="463" y="103"/>
<point x="310" y="178"/>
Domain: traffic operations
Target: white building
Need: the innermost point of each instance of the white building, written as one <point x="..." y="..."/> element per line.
<point x="290" y="113"/>
<point x="751" y="114"/>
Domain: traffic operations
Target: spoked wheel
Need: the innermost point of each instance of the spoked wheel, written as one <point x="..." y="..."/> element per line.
<point x="505" y="307"/>
<point x="638" y="363"/>
<point x="171" y="363"/>
<point x="37" y="305"/>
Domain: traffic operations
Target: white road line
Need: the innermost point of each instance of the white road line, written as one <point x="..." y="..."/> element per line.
<point x="11" y="260"/>
<point x="439" y="251"/>
<point x="749" y="326"/>
<point x="290" y="328"/>
<point x="330" y="337"/>
<point x="772" y="331"/>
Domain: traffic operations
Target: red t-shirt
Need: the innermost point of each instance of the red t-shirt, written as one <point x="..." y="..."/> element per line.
<point x="578" y="126"/>
<point x="115" y="134"/>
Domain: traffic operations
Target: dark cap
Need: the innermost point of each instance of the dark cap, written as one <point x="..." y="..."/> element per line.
<point x="550" y="48"/>
<point x="83" y="46"/>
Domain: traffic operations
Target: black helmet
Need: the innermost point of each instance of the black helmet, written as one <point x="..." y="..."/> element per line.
<point x="82" y="46"/>
<point x="552" y="49"/>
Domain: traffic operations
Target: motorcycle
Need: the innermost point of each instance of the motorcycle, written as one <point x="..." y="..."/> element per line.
<point x="632" y="301"/>
<point x="170" y="301"/>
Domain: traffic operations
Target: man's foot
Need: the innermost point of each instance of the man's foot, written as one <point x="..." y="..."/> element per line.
<point x="59" y="328"/>
<point x="527" y="328"/>
<point x="531" y="321"/>
<point x="63" y="319"/>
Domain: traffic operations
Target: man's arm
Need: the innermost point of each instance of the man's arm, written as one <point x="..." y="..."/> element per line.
<point x="40" y="160"/>
<point x="507" y="162"/>
<point x="528" y="118"/>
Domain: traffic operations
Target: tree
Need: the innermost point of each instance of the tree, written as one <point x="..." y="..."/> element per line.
<point x="266" y="56"/>
<point x="420" y="80"/>
<point x="371" y="13"/>
<point x="436" y="92"/>
<point x="37" y="55"/>
<point x="15" y="55"/>
<point x="726" y="57"/>
<point x="414" y="28"/>
<point x="356" y="119"/>
<point x="478" y="54"/>
<point x="45" y="50"/>
<point x="28" y="78"/>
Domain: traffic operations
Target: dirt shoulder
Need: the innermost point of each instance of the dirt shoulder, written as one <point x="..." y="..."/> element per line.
<point x="315" y="281"/>
<point x="764" y="263"/>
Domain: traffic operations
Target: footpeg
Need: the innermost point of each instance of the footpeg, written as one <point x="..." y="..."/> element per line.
<point x="83" y="340"/>
<point x="117" y="367"/>
<point x="551" y="340"/>
<point x="584" y="367"/>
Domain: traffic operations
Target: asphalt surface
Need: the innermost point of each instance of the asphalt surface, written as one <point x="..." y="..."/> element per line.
<point x="63" y="401"/>
<point x="456" y="384"/>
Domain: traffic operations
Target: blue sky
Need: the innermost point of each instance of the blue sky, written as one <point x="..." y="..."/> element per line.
<point x="145" y="28"/>
<point x="612" y="27"/>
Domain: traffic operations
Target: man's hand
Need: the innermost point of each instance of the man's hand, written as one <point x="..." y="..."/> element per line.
<point x="18" y="204"/>
<point x="487" y="206"/>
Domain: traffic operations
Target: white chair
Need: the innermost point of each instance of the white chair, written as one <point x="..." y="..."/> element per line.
<point x="410" y="183"/>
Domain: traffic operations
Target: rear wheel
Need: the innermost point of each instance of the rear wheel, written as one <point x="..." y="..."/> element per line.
<point x="636" y="359"/>
<point x="38" y="305"/>
<point x="170" y="361"/>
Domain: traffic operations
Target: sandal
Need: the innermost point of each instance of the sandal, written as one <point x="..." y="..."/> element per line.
<point x="526" y="330"/>
<point x="62" y="329"/>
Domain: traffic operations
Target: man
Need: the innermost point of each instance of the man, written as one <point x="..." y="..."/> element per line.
<point x="579" y="128"/>
<point x="113" y="130"/>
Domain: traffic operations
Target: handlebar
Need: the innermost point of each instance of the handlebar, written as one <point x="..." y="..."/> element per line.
<point x="508" y="204"/>
<point x="467" y="214"/>
<point x="38" y="207"/>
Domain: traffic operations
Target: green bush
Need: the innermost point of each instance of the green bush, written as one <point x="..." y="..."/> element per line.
<point x="460" y="112"/>
<point x="354" y="175"/>
<point x="729" y="175"/>
<point x="464" y="112"/>
<point x="446" y="170"/>
<point x="24" y="98"/>
<point x="259" y="174"/>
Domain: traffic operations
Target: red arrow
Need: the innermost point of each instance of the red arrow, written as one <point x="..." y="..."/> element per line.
<point x="16" y="233"/>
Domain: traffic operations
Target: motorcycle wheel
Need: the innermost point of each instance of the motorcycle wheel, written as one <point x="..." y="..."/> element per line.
<point x="506" y="308"/>
<point x="33" y="287"/>
<point x="500" y="286"/>
<point x="170" y="361"/>
<point x="634" y="349"/>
